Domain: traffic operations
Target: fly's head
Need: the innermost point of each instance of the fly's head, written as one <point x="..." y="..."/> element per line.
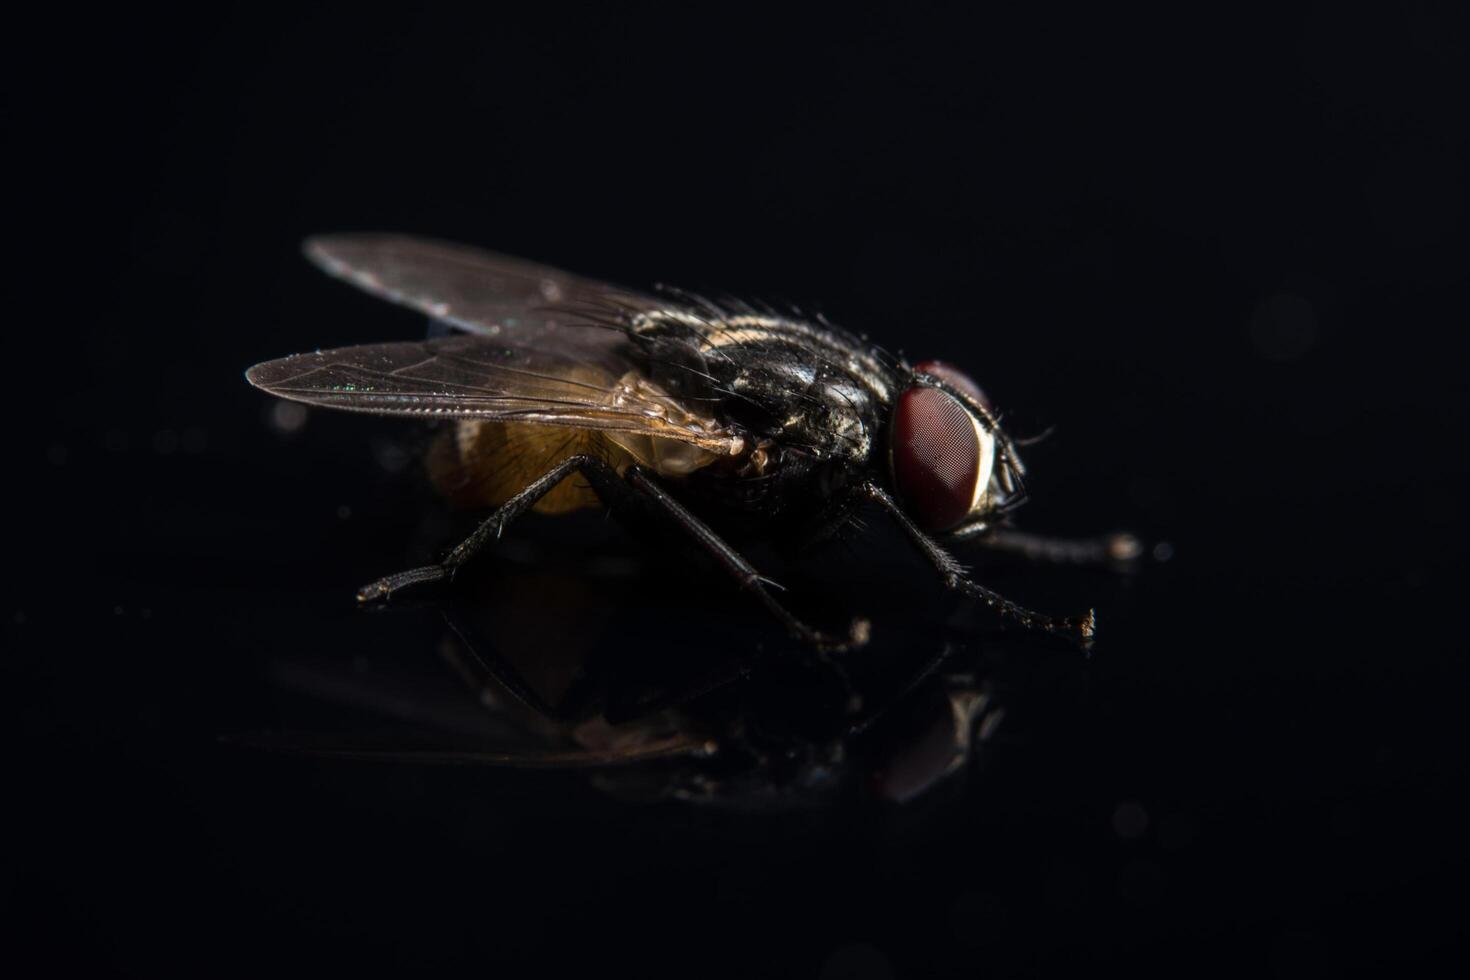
<point x="954" y="468"/>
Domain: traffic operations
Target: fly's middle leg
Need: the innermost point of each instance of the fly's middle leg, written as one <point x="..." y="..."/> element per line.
<point x="743" y="572"/>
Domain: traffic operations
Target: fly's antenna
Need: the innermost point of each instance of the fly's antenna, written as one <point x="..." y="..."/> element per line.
<point x="1011" y="471"/>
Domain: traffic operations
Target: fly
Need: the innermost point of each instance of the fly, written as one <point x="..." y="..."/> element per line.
<point x="701" y="412"/>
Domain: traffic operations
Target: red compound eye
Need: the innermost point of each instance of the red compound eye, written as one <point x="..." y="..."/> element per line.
<point x="937" y="456"/>
<point x="954" y="378"/>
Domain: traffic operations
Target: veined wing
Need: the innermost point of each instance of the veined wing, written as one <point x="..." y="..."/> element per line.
<point x="474" y="290"/>
<point x="573" y="375"/>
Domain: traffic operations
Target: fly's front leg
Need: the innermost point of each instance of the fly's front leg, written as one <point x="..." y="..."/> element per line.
<point x="1079" y="628"/>
<point x="1102" y="550"/>
<point x="595" y="469"/>
<point x="741" y="570"/>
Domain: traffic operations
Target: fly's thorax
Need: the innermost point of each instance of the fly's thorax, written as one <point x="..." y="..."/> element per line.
<point x="800" y="403"/>
<point x="801" y="382"/>
<point x="810" y="398"/>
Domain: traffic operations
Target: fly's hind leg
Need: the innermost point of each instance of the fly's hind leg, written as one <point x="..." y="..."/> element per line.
<point x="608" y="484"/>
<point x="598" y="472"/>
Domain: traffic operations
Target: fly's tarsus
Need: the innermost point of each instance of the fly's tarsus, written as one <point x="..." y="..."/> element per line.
<point x="388" y="586"/>
<point x="1079" y="628"/>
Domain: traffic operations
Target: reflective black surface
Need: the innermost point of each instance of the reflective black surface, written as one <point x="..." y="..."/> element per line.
<point x="1224" y="259"/>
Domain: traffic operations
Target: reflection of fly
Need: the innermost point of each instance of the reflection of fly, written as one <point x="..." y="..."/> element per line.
<point x="739" y="414"/>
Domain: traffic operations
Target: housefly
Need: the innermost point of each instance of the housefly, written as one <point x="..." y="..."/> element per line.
<point x="566" y="393"/>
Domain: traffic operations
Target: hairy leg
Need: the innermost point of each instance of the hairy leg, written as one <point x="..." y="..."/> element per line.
<point x="595" y="469"/>
<point x="953" y="574"/>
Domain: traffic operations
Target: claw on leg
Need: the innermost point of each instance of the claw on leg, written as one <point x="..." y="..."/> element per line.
<point x="389" y="585"/>
<point x="1087" y="625"/>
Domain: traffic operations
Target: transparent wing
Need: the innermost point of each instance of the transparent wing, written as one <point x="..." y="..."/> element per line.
<point x="557" y="374"/>
<point x="471" y="289"/>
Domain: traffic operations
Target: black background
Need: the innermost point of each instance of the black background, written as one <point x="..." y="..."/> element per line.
<point x="1222" y="253"/>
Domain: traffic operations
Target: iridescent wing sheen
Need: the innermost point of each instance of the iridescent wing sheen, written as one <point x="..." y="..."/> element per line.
<point x="468" y="288"/>
<point x="566" y="374"/>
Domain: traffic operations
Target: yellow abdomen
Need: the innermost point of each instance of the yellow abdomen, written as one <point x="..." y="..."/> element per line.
<point x="481" y="464"/>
